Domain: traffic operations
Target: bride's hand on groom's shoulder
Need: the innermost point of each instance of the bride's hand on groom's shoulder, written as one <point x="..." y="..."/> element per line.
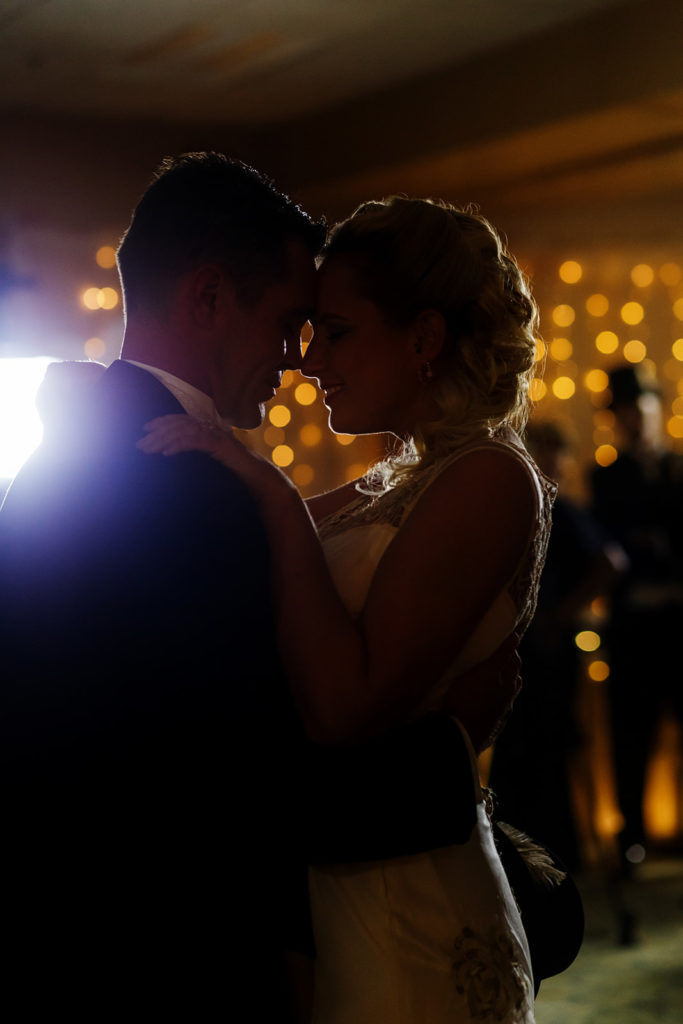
<point x="171" y="435"/>
<point x="177" y="433"/>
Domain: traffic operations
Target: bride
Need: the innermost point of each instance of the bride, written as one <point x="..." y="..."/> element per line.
<point x="388" y="588"/>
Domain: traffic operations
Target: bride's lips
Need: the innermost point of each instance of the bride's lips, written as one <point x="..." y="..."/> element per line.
<point x="331" y="391"/>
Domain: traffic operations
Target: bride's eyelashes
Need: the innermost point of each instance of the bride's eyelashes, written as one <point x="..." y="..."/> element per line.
<point x="336" y="333"/>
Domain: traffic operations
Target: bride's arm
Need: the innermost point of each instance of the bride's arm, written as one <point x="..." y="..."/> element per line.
<point x="456" y="551"/>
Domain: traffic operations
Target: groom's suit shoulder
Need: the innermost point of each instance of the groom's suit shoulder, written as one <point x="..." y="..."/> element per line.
<point x="89" y="464"/>
<point x="161" y="562"/>
<point x="89" y="511"/>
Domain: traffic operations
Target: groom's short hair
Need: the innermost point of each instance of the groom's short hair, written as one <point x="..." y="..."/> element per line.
<point x="206" y="207"/>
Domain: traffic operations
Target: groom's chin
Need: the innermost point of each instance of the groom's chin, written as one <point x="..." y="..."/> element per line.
<point x="249" y="419"/>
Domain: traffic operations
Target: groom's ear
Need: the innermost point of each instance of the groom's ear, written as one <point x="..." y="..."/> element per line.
<point x="203" y="294"/>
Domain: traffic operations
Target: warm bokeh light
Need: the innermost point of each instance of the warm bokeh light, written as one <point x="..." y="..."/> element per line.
<point x="279" y="415"/>
<point x="105" y="257"/>
<point x="273" y="436"/>
<point x="677" y="406"/>
<point x="596" y="380"/>
<point x="306" y="335"/>
<point x="677" y="349"/>
<point x="678" y="309"/>
<point x="345" y="438"/>
<point x="635" y="351"/>
<point x="287" y="379"/>
<point x="604" y="418"/>
<point x="642" y="275"/>
<point x="303" y="474"/>
<point x="662" y="788"/>
<point x="305" y="393"/>
<point x="603" y="435"/>
<point x="606" y="342"/>
<point x="282" y="455"/>
<point x="109" y="298"/>
<point x="356" y="470"/>
<point x="563" y="315"/>
<point x="608" y="818"/>
<point x="100" y="298"/>
<point x="21" y="429"/>
<point x="570" y="272"/>
<point x="310" y="435"/>
<point x="674" y="426"/>
<point x="598" y="671"/>
<point x="540" y="350"/>
<point x="561" y="349"/>
<point x="670" y="274"/>
<point x="597" y="304"/>
<point x="563" y="387"/>
<point x="632" y="313"/>
<point x="94" y="348"/>
<point x="91" y="298"/>
<point x="538" y="389"/>
<point x="672" y="369"/>
<point x="587" y="640"/>
<point x="606" y="454"/>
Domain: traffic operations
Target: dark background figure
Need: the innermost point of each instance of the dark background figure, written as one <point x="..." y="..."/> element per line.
<point x="639" y="499"/>
<point x="532" y="759"/>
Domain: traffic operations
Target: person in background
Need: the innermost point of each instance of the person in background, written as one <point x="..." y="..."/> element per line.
<point x="639" y="499"/>
<point x="386" y="588"/>
<point x="534" y="756"/>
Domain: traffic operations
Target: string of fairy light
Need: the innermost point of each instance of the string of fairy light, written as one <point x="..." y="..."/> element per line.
<point x="597" y="312"/>
<point x="636" y="317"/>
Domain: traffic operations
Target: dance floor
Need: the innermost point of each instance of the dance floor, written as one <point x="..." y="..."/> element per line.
<point x="637" y="982"/>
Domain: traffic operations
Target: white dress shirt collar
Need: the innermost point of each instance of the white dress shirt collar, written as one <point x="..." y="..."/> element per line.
<point x="195" y="402"/>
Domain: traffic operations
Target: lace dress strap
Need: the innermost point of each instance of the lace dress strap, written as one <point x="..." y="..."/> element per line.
<point x="392" y="505"/>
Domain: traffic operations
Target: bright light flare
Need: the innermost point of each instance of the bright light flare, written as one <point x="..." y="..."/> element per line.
<point x="21" y="429"/>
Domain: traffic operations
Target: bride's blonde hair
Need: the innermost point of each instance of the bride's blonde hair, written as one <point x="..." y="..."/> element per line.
<point x="409" y="255"/>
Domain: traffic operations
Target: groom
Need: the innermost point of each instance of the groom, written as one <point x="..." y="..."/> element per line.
<point x="145" y="727"/>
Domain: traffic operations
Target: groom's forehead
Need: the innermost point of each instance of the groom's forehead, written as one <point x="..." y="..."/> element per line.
<point x="298" y="287"/>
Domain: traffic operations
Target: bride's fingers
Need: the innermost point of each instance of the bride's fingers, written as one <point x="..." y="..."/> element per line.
<point x="169" y="419"/>
<point x="183" y="434"/>
<point x="161" y="438"/>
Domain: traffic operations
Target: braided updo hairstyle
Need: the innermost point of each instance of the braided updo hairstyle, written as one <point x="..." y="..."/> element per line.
<point x="410" y="255"/>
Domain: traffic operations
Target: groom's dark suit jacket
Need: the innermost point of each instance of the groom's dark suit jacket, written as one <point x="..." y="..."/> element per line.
<point x="142" y="706"/>
<point x="154" y="785"/>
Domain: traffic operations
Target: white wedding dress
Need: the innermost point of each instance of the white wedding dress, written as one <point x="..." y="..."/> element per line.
<point x="435" y="937"/>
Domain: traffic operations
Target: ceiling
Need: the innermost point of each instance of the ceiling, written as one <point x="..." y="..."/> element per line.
<point x="561" y="118"/>
<point x="244" y="61"/>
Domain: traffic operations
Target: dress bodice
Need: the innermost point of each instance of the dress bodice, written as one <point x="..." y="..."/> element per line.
<point x="356" y="537"/>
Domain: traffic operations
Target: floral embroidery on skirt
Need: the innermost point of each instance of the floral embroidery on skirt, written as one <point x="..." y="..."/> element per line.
<point x="490" y="976"/>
